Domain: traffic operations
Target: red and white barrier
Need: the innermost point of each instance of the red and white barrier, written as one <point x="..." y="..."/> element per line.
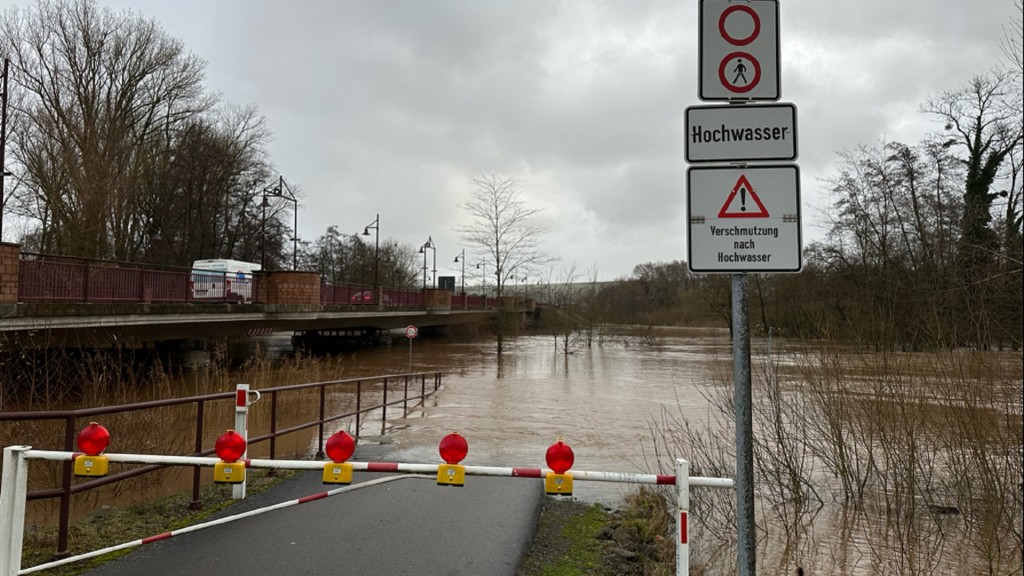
<point x="15" y="479"/>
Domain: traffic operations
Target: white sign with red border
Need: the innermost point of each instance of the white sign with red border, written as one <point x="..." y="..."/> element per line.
<point x="739" y="50"/>
<point x="744" y="219"/>
<point x="410" y="331"/>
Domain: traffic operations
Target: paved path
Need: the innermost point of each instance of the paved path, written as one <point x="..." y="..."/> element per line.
<point x="407" y="526"/>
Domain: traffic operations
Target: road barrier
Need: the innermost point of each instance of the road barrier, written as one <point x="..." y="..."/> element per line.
<point x="393" y="391"/>
<point x="13" y="491"/>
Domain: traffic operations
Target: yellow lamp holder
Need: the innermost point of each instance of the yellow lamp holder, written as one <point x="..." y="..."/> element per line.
<point x="337" y="473"/>
<point x="229" y="472"/>
<point x="558" y="484"/>
<point x="86" y="465"/>
<point x="451" y="475"/>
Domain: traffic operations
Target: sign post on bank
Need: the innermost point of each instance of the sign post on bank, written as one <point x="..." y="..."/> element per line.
<point x="744" y="214"/>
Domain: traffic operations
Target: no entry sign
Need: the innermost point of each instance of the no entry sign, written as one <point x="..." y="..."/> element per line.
<point x="739" y="50"/>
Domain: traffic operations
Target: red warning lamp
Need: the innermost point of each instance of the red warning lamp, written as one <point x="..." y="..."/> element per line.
<point x="93" y="439"/>
<point x="559" y="457"/>
<point x="230" y="446"/>
<point x="340" y="446"/>
<point x="453" y="449"/>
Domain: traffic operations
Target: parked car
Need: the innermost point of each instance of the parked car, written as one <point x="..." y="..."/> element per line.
<point x="366" y="297"/>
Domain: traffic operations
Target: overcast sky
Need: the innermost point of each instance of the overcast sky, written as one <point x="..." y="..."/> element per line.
<point x="393" y="106"/>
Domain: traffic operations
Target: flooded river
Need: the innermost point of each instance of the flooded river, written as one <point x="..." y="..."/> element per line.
<point x="853" y="421"/>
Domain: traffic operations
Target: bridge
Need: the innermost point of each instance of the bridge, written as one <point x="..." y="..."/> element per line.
<point x="55" y="301"/>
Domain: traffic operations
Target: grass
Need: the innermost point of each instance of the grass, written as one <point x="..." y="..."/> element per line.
<point x="566" y="543"/>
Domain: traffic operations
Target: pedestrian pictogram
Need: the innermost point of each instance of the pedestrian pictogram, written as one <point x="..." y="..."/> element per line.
<point x="743" y="202"/>
<point x="739" y="50"/>
<point x="739" y="72"/>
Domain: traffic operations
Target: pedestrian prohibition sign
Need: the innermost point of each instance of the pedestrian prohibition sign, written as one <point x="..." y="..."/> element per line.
<point x="739" y="50"/>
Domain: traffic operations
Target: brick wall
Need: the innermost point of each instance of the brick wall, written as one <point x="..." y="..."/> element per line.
<point x="287" y="287"/>
<point x="437" y="299"/>
<point x="9" y="263"/>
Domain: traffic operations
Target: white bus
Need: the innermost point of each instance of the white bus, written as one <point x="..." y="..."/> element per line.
<point x="222" y="279"/>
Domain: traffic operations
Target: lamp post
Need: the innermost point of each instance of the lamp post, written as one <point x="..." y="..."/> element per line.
<point x="462" y="258"/>
<point x="278" y="191"/>
<point x="375" y="226"/>
<point x="482" y="267"/>
<point x="423" y="250"/>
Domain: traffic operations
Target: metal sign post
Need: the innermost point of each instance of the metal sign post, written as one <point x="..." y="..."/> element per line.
<point x="410" y="334"/>
<point x="746" y="528"/>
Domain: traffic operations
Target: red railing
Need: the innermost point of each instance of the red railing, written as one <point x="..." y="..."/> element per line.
<point x="44" y="278"/>
<point x="74" y="280"/>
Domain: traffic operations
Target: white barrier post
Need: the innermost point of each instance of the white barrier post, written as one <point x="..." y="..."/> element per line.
<point x="242" y="427"/>
<point x="683" y="522"/>
<point x="13" y="490"/>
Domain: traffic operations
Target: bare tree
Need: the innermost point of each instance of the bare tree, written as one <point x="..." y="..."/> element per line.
<point x="503" y="228"/>
<point x="100" y="94"/>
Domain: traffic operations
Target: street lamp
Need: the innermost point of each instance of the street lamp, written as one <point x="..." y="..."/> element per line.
<point x="462" y="258"/>
<point x="278" y="191"/>
<point x="482" y="267"/>
<point x="375" y="226"/>
<point x="423" y="250"/>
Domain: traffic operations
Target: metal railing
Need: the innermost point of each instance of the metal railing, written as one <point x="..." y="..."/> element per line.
<point x="428" y="384"/>
<point x="59" y="279"/>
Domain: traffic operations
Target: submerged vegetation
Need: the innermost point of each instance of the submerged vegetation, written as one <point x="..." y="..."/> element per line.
<point x="912" y="463"/>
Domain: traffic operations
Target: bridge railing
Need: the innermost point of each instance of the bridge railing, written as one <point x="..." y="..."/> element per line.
<point x="58" y="279"/>
<point x="392" y="390"/>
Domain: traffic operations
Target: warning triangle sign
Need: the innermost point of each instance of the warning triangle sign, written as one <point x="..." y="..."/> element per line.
<point x="743" y="202"/>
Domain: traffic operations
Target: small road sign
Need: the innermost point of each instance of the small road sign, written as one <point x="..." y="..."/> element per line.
<point x="746" y="133"/>
<point x="739" y="50"/>
<point x="410" y="331"/>
<point x="744" y="219"/>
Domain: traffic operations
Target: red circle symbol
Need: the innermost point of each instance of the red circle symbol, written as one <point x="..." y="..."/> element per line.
<point x="739" y="57"/>
<point x="230" y="446"/>
<point x="725" y="33"/>
<point x="340" y="446"/>
<point x="410" y="331"/>
<point x="93" y="439"/>
<point x="559" y="457"/>
<point x="453" y="448"/>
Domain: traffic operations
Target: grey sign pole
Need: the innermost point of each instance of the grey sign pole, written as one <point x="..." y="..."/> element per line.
<point x="746" y="544"/>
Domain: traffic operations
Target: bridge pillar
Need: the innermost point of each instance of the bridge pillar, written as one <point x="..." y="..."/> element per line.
<point x="289" y="287"/>
<point x="9" y="264"/>
<point x="437" y="299"/>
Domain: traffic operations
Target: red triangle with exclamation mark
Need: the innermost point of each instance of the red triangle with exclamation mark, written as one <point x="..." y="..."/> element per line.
<point x="738" y="205"/>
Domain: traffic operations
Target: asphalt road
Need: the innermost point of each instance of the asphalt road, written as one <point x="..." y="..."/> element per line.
<point x="406" y="526"/>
